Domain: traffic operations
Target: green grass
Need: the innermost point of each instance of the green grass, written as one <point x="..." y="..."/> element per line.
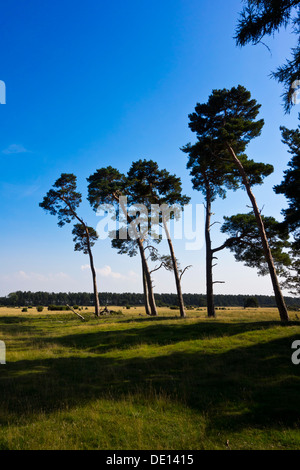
<point x="132" y="382"/>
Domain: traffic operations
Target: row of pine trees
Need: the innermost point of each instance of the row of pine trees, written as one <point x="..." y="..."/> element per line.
<point x="223" y="127"/>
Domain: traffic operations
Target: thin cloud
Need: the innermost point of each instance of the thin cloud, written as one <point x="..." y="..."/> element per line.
<point x="37" y="281"/>
<point x="32" y="276"/>
<point x="35" y="277"/>
<point x="18" y="191"/>
<point x="14" y="149"/>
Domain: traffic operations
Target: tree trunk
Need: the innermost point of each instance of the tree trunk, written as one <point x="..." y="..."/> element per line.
<point x="268" y="255"/>
<point x="146" y="271"/>
<point x="211" y="312"/>
<point x="146" y="294"/>
<point x="78" y="314"/>
<point x="151" y="298"/>
<point x="176" y="273"/>
<point x="96" y="296"/>
<point x="95" y="289"/>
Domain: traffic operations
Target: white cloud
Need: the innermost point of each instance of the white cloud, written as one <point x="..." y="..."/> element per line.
<point x="23" y="275"/>
<point x="14" y="148"/>
<point x="107" y="272"/>
<point x="108" y="279"/>
<point x="85" y="267"/>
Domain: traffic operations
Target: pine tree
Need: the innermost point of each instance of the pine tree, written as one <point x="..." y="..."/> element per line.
<point x="108" y="186"/>
<point x="228" y="120"/>
<point x="152" y="186"/>
<point x="265" y="17"/>
<point x="290" y="186"/>
<point x="63" y="200"/>
<point x="214" y="176"/>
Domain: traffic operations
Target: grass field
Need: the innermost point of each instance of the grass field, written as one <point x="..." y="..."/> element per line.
<point x="133" y="382"/>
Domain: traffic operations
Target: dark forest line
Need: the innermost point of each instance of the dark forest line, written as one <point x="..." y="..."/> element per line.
<point x="19" y="299"/>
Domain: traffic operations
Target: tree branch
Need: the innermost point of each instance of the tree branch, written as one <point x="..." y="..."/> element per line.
<point x="78" y="315"/>
<point x="214" y="224"/>
<point x="185" y="269"/>
<point x="156" y="269"/>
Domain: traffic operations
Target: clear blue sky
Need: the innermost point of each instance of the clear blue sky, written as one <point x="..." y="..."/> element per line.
<point x="97" y="83"/>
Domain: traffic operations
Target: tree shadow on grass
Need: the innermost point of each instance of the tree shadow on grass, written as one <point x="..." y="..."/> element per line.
<point x="248" y="386"/>
<point x="14" y="325"/>
<point x="147" y="319"/>
<point x="161" y="335"/>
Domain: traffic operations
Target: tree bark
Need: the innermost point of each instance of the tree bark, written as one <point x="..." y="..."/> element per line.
<point x="268" y="255"/>
<point x="146" y="294"/>
<point x="211" y="312"/>
<point x="149" y="286"/>
<point x="176" y="273"/>
<point x="95" y="289"/>
<point x="146" y="271"/>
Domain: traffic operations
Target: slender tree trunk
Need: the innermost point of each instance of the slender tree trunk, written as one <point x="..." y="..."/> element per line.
<point x="176" y="273"/>
<point x="95" y="289"/>
<point x="146" y="271"/>
<point x="96" y="296"/>
<point x="268" y="255"/>
<point x="146" y="294"/>
<point x="78" y="314"/>
<point x="211" y="312"/>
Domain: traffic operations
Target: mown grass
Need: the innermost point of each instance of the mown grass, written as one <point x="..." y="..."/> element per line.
<point x="132" y="382"/>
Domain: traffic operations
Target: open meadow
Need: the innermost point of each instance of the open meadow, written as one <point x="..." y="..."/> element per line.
<point x="128" y="381"/>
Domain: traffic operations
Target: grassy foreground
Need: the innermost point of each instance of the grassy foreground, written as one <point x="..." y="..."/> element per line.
<point x="132" y="382"/>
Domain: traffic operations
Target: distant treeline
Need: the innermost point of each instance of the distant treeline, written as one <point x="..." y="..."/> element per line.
<point x="20" y="299"/>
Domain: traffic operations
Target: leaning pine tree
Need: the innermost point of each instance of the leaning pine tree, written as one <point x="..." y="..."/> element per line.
<point x="63" y="200"/>
<point x="213" y="176"/>
<point x="228" y="119"/>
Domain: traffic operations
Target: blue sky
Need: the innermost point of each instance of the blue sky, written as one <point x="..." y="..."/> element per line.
<point x="94" y="83"/>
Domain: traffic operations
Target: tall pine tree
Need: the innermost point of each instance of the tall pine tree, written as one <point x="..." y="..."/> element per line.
<point x="228" y="120"/>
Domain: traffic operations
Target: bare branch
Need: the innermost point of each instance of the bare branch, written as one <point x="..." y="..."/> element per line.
<point x="78" y="315"/>
<point x="211" y="225"/>
<point x="157" y="268"/>
<point x="185" y="269"/>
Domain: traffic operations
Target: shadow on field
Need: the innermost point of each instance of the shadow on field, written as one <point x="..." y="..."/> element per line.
<point x="248" y="386"/>
<point x="15" y="325"/>
<point x="161" y="335"/>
